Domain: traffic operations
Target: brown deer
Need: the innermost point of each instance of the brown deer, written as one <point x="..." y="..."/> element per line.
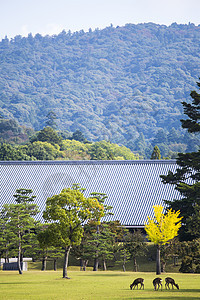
<point x="136" y="282"/>
<point x="171" y="281"/>
<point x="157" y="282"/>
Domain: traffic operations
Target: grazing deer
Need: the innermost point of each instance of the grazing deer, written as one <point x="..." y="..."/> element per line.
<point x="157" y="282"/>
<point x="136" y="282"/>
<point x="171" y="281"/>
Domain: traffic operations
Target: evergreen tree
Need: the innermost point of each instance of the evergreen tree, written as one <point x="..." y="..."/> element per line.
<point x="187" y="176"/>
<point x="161" y="137"/>
<point x="156" y="153"/>
<point x="190" y="254"/>
<point x="101" y="197"/>
<point x="100" y="245"/>
<point x="51" y="117"/>
<point x="173" y="136"/>
<point x="19" y="222"/>
<point x="49" y="135"/>
<point x="135" y="245"/>
<point x="193" y="112"/>
<point x="78" y="136"/>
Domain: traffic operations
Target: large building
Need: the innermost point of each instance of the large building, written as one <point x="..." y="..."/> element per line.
<point x="132" y="187"/>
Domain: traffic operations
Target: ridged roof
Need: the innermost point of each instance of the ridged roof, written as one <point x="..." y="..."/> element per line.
<point x="132" y="187"/>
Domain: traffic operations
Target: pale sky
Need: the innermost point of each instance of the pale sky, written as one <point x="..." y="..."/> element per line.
<point x="52" y="16"/>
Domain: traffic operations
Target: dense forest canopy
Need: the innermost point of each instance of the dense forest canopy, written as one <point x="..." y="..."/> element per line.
<point x="122" y="84"/>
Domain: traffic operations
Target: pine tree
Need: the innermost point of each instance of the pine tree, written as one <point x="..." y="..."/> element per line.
<point x="101" y="197"/>
<point x="135" y="245"/>
<point x="19" y="222"/>
<point x="186" y="179"/>
<point x="193" y="112"/>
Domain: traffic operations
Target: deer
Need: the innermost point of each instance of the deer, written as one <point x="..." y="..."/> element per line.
<point x="171" y="281"/>
<point x="136" y="282"/>
<point x="157" y="282"/>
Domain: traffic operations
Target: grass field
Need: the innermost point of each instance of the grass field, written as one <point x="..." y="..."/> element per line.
<point x="50" y="285"/>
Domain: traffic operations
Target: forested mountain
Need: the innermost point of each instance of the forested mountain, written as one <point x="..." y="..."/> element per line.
<point x="122" y="84"/>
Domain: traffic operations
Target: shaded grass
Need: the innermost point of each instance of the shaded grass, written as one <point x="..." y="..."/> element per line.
<point x="144" y="265"/>
<point x="92" y="286"/>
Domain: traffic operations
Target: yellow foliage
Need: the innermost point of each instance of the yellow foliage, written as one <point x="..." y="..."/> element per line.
<point x="163" y="227"/>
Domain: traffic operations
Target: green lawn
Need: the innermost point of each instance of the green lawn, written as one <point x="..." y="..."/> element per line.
<point x="92" y="285"/>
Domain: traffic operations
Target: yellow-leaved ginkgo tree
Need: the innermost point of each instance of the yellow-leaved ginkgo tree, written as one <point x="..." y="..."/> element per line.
<point x="162" y="228"/>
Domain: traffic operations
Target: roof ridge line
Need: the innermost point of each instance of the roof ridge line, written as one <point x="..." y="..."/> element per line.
<point x="87" y="162"/>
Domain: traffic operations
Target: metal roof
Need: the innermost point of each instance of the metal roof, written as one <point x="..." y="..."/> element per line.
<point x="132" y="187"/>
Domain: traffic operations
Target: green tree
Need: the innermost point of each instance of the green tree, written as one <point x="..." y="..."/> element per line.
<point x="101" y="197"/>
<point x="100" y="245"/>
<point x="19" y="221"/>
<point x="46" y="251"/>
<point x="51" y="119"/>
<point x="75" y="150"/>
<point x="3" y="239"/>
<point x="82" y="251"/>
<point x="8" y="152"/>
<point x="136" y="246"/>
<point x="186" y="179"/>
<point x="190" y="253"/>
<point x="169" y="251"/>
<point x="78" y="136"/>
<point x="156" y="153"/>
<point x="161" y="137"/>
<point x="193" y="112"/>
<point x="44" y="239"/>
<point x="173" y="136"/>
<point x="100" y="151"/>
<point x="161" y="229"/>
<point x="67" y="212"/>
<point x="48" y="135"/>
<point x="42" y="150"/>
<point x="140" y="145"/>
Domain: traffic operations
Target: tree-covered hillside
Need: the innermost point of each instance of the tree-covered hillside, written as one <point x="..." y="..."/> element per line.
<point x="123" y="84"/>
<point x="47" y="144"/>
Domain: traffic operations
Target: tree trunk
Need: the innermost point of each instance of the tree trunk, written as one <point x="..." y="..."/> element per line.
<point x="96" y="260"/>
<point x="55" y="264"/>
<point x="96" y="264"/>
<point x="158" y="269"/>
<point x="19" y="254"/>
<point x="6" y="255"/>
<point x="163" y="265"/>
<point x="85" y="262"/>
<point x="124" y="268"/>
<point x="124" y="263"/>
<point x="81" y="264"/>
<point x="104" y="265"/>
<point x="135" y="264"/>
<point x="175" y="260"/>
<point x="66" y="259"/>
<point x="44" y="263"/>
<point x="19" y="259"/>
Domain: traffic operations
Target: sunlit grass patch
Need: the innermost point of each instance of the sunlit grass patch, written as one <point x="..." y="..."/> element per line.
<point x="91" y="285"/>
